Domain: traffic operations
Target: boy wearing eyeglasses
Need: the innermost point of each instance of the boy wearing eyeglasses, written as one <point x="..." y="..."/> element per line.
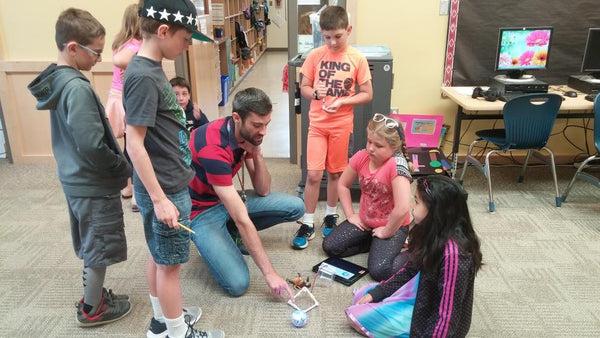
<point x="330" y="75"/>
<point x="91" y="166"/>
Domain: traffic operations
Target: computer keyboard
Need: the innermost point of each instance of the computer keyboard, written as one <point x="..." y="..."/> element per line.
<point x="591" y="97"/>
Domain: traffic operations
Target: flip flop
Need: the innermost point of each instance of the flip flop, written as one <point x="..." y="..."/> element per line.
<point x="134" y="208"/>
<point x="126" y="197"/>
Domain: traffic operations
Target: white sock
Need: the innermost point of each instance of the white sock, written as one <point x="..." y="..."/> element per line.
<point x="331" y="210"/>
<point x="177" y="327"/>
<point x="309" y="219"/>
<point x="158" y="314"/>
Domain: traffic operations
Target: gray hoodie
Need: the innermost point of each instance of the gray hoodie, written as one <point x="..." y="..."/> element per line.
<point x="90" y="162"/>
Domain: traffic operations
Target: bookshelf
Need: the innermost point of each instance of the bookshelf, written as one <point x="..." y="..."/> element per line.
<point x="225" y="14"/>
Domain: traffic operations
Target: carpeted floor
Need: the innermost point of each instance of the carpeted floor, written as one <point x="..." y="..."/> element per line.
<point x="541" y="275"/>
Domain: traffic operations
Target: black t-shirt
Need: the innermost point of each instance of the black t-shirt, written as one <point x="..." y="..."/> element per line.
<point x="149" y="101"/>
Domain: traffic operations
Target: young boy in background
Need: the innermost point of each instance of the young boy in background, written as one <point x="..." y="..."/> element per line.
<point x="157" y="143"/>
<point x="194" y="117"/>
<point x="329" y="77"/>
<point x="91" y="167"/>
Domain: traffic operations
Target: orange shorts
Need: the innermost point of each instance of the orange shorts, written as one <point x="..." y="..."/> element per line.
<point x="327" y="149"/>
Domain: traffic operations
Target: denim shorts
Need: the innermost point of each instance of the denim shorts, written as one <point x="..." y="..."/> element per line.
<point x="167" y="245"/>
<point x="97" y="229"/>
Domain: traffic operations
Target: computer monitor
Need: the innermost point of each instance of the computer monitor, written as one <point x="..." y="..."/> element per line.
<point x="591" y="54"/>
<point x="521" y="49"/>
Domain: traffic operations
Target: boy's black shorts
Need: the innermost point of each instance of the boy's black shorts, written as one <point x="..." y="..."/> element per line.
<point x="97" y="229"/>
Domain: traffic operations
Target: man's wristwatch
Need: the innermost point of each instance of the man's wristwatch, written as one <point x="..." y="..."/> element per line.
<point x="315" y="95"/>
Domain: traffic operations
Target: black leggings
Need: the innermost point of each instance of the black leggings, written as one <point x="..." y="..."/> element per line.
<point x="384" y="254"/>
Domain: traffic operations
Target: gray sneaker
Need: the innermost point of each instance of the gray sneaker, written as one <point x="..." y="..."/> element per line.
<point x="193" y="333"/>
<point x="110" y="310"/>
<point x="159" y="329"/>
<point x="108" y="294"/>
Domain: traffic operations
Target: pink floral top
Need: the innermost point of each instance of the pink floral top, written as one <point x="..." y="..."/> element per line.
<point x="377" y="197"/>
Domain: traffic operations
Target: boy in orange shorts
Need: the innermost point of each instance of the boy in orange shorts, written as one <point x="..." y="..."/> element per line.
<point x="330" y="75"/>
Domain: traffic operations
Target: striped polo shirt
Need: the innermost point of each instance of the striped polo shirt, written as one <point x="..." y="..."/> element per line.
<point x="216" y="158"/>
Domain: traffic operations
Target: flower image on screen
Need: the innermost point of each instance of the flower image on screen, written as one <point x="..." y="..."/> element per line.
<point x="523" y="48"/>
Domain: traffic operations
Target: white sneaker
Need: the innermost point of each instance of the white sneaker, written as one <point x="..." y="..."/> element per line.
<point x="159" y="329"/>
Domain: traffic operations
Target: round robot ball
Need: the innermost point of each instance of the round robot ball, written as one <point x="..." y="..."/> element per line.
<point x="299" y="318"/>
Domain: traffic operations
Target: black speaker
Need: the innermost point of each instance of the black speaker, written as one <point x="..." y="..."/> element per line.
<point x="489" y="95"/>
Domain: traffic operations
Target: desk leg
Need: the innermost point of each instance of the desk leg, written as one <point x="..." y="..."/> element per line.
<point x="456" y="140"/>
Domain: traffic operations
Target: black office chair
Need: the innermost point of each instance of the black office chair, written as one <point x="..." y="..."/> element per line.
<point x="528" y="122"/>
<point x="583" y="175"/>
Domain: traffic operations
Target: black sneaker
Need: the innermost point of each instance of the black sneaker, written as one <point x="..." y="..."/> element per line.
<point x="303" y="235"/>
<point x="159" y="329"/>
<point x="193" y="333"/>
<point x="109" y="311"/>
<point x="329" y="222"/>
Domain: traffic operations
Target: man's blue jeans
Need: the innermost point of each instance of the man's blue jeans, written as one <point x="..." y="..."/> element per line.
<point x="217" y="248"/>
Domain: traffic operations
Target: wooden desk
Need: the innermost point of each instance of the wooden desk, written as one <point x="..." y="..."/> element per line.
<point x="470" y="109"/>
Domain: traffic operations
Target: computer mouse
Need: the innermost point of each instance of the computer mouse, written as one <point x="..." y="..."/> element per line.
<point x="570" y="93"/>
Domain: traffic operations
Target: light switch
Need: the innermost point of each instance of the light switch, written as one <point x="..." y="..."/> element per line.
<point x="444" y="7"/>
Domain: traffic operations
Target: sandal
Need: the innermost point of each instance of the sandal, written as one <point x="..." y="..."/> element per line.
<point x="134" y="208"/>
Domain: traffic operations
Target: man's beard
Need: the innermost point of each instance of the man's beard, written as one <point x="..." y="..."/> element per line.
<point x="248" y="138"/>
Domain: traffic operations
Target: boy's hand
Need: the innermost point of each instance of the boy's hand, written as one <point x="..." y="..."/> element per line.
<point x="365" y="299"/>
<point x="333" y="107"/>
<point x="321" y="90"/>
<point x="197" y="112"/>
<point x="167" y="212"/>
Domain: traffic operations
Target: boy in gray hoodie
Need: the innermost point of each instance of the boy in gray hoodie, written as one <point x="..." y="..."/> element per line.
<point x="91" y="166"/>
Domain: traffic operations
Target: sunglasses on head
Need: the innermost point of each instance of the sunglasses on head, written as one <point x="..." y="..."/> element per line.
<point x="389" y="122"/>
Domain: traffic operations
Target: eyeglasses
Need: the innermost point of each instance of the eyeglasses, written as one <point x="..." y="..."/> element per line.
<point x="389" y="122"/>
<point x="93" y="52"/>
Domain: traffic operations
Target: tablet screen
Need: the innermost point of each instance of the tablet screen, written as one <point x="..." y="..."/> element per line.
<point x="341" y="272"/>
<point x="342" y="269"/>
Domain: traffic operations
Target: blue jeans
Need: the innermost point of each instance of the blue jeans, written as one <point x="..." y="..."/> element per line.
<point x="167" y="245"/>
<point x="217" y="248"/>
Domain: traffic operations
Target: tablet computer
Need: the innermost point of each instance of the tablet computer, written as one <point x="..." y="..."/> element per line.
<point x="344" y="272"/>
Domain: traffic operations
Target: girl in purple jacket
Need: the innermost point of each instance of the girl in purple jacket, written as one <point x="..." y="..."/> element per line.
<point x="432" y="294"/>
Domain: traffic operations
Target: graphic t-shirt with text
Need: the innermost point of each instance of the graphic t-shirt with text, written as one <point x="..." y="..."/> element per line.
<point x="340" y="72"/>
